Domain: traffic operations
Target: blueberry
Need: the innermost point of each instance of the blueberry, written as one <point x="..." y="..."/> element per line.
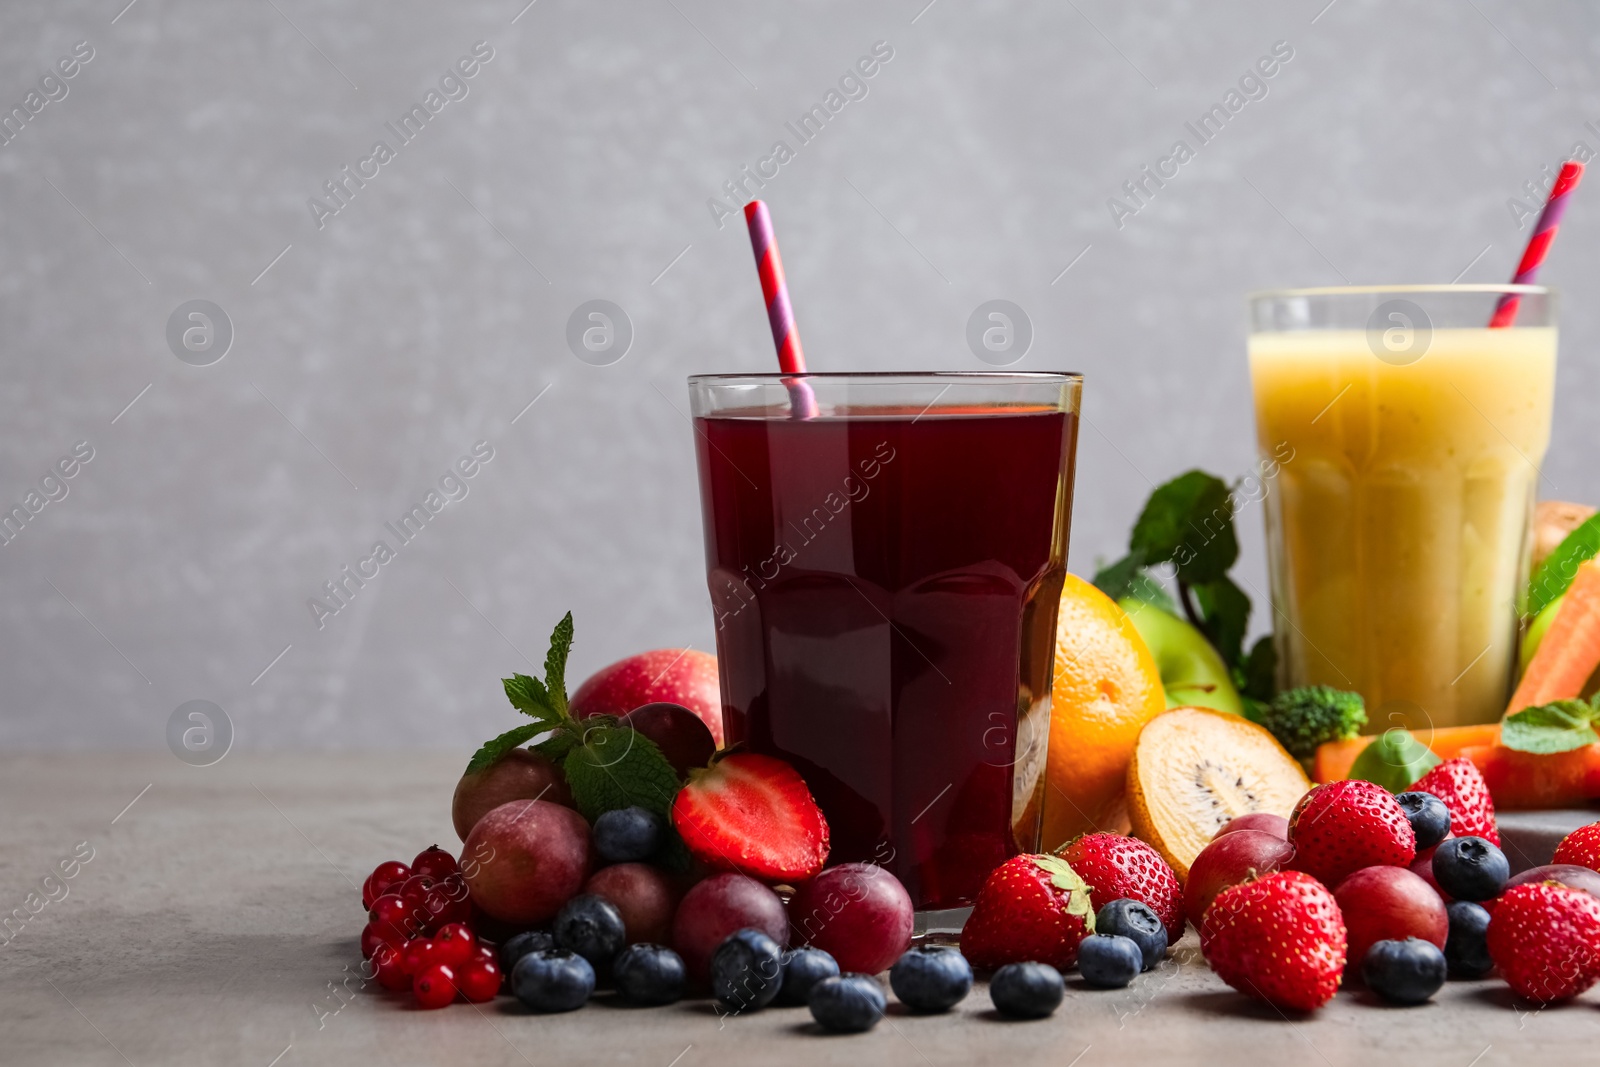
<point x="519" y="945"/>
<point x="1109" y="961"/>
<point x="1026" y="990"/>
<point x="746" y="970"/>
<point x="1138" y="922"/>
<point x="552" y="980"/>
<point x="802" y="969"/>
<point x="931" y="978"/>
<point x="1470" y="868"/>
<point x="1466" y="950"/>
<point x="627" y="835"/>
<point x="1430" y="819"/>
<point x="1404" y="972"/>
<point x="847" y="1003"/>
<point x="649" y="974"/>
<point x="592" y="927"/>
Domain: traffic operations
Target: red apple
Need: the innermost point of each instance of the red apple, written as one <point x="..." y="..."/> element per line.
<point x="521" y="774"/>
<point x="525" y="859"/>
<point x="1227" y="861"/>
<point x="643" y="894"/>
<point x="1265" y="821"/>
<point x="671" y="675"/>
<point x="1388" y="904"/>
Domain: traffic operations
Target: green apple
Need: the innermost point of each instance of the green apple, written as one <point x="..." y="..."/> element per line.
<point x="1192" y="672"/>
<point x="1536" y="630"/>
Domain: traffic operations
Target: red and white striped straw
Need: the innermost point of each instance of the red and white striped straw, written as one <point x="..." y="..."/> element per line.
<point x="780" y="313"/>
<point x="1544" y="232"/>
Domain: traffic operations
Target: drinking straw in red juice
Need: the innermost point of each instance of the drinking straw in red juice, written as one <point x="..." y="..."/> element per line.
<point x="1544" y="232"/>
<point x="780" y="313"/>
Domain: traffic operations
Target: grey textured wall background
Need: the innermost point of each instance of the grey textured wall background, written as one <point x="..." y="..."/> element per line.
<point x="370" y="354"/>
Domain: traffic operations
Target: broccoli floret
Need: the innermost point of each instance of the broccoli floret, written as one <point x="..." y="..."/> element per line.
<point x="1301" y="719"/>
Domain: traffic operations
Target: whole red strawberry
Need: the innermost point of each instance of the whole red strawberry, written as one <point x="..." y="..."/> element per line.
<point x="1030" y="908"/>
<point x="1343" y="826"/>
<point x="1116" y="866"/>
<point x="1545" y="938"/>
<point x="1280" y="939"/>
<point x="1581" y="847"/>
<point x="1459" y="784"/>
<point x="752" y="814"/>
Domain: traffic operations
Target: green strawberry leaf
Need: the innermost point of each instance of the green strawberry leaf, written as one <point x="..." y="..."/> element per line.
<point x="1555" y="574"/>
<point x="492" y="751"/>
<point x="1063" y="877"/>
<point x="613" y="766"/>
<point x="1549" y="728"/>
<point x="555" y="664"/>
<point x="529" y="696"/>
<point x="1394" y="759"/>
<point x="1189" y="521"/>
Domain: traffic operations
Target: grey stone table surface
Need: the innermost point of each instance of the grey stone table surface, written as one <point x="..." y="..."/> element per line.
<point x="212" y="911"/>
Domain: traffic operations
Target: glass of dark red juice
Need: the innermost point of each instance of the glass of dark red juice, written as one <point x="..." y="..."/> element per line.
<point x="884" y="576"/>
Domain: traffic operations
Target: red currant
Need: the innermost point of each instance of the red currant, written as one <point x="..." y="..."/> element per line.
<point x="435" y="987"/>
<point x="417" y="956"/>
<point x="435" y="862"/>
<point x="426" y="903"/>
<point x="455" y="943"/>
<point x="375" y="934"/>
<point x="479" y="978"/>
<point x="384" y="875"/>
<point x="459" y="908"/>
<point x="391" y="972"/>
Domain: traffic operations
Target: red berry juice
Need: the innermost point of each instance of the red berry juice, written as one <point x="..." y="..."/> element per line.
<point x="885" y="587"/>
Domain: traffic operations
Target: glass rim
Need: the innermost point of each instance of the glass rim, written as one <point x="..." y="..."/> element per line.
<point x="975" y="377"/>
<point x="1369" y="290"/>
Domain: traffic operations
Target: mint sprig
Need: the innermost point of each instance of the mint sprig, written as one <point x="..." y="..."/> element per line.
<point x="1559" y="726"/>
<point x="1555" y="574"/>
<point x="607" y="765"/>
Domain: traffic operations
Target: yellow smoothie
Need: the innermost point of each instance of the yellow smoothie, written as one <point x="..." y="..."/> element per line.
<point x="1398" y="519"/>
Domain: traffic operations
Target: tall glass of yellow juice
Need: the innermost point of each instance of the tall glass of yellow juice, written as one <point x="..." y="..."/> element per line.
<point x="1402" y="440"/>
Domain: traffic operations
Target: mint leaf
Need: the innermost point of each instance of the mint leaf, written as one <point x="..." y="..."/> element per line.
<point x="555" y="747"/>
<point x="555" y="664"/>
<point x="1224" y="616"/>
<point x="614" y="766"/>
<point x="1557" y="727"/>
<point x="1257" y="676"/>
<point x="1189" y="521"/>
<point x="492" y="750"/>
<point x="529" y="696"/>
<point x="1555" y="574"/>
<point x="1127" y="577"/>
<point x="1394" y="760"/>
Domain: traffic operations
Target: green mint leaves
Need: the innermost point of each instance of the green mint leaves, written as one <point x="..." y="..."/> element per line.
<point x="1394" y="760"/>
<point x="1549" y="728"/>
<point x="613" y="766"/>
<point x="1188" y="523"/>
<point x="607" y="765"/>
<point x="1555" y="574"/>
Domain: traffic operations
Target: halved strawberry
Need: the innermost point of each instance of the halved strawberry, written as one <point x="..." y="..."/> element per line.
<point x="1460" y="785"/>
<point x="752" y="814"/>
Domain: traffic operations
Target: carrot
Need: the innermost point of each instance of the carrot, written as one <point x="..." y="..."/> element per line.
<point x="1334" y="758"/>
<point x="1570" y="650"/>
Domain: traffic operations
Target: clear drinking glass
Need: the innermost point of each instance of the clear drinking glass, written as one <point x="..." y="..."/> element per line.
<point x="885" y="578"/>
<point x="1401" y="440"/>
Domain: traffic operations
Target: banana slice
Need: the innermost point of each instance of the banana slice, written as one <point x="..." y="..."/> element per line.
<point x="1194" y="769"/>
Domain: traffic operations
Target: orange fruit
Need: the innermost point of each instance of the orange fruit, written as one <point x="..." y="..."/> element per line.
<point x="1106" y="687"/>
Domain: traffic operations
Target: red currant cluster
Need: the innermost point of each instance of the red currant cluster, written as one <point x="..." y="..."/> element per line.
<point x="418" y="935"/>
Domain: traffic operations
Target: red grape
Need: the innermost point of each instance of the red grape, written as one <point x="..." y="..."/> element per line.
<point x="858" y="913"/>
<point x="717" y="907"/>
<point x="1388" y="904"/>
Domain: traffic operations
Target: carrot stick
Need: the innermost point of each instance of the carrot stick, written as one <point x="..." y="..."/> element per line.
<point x="1570" y="651"/>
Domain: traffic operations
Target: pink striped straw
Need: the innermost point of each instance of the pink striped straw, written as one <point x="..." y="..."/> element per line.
<point x="780" y="313"/>
<point x="1544" y="232"/>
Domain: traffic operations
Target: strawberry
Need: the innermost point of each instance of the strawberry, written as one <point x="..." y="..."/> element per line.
<point x="1280" y="939"/>
<point x="1460" y="785"/>
<point x="752" y="814"/>
<point x="1581" y="847"/>
<point x="1346" y="825"/>
<point x="1118" y="866"/>
<point x="1545" y="938"/>
<point x="1030" y="908"/>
